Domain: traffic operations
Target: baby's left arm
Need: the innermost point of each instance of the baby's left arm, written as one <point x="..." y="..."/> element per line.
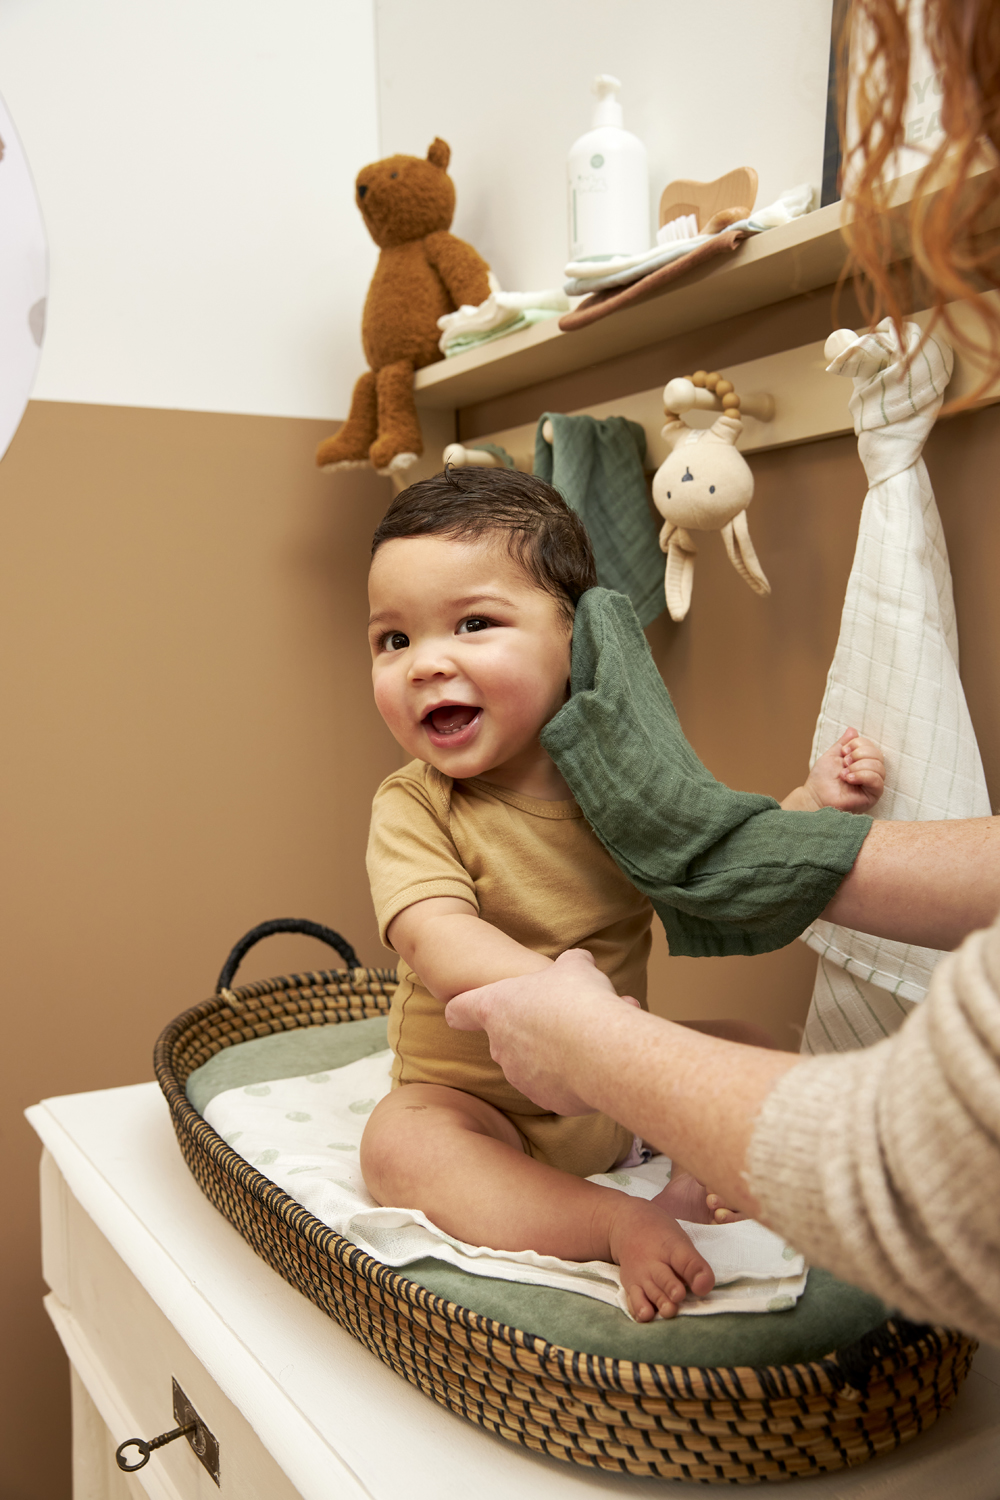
<point x="849" y="776"/>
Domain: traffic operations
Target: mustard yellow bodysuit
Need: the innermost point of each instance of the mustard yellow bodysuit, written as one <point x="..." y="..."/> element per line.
<point x="536" y="871"/>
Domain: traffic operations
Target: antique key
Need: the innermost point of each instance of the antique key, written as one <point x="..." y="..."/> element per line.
<point x="203" y="1442"/>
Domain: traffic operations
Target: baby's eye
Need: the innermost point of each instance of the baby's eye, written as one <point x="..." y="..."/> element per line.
<point x="395" y="641"/>
<point x="473" y="623"/>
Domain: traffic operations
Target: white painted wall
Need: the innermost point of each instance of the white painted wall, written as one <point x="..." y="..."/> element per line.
<point x="706" y="86"/>
<point x="195" y="163"/>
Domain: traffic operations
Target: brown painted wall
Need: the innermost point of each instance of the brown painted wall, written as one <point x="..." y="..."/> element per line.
<point x="190" y="745"/>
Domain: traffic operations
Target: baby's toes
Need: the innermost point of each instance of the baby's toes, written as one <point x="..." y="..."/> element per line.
<point x="641" y="1307"/>
<point x="720" y="1213"/>
<point x="695" y="1272"/>
<point x="663" y="1290"/>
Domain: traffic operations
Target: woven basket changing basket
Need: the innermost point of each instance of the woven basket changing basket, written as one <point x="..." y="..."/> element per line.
<point x="737" y="1425"/>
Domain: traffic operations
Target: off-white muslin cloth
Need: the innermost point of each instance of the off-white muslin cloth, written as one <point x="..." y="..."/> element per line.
<point x="305" y="1135"/>
<point x="894" y="675"/>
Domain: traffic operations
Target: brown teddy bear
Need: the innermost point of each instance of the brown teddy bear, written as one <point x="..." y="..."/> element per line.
<point x="423" y="272"/>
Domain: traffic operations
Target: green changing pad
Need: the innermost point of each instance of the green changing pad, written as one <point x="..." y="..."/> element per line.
<point x="829" y="1315"/>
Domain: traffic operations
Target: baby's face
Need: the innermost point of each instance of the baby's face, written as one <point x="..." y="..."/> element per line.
<point x="470" y="658"/>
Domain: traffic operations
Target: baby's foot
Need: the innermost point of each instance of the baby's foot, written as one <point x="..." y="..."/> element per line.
<point x="658" y="1263"/>
<point x="684" y="1197"/>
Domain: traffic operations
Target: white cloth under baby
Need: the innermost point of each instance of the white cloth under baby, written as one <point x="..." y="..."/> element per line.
<point x="304" y="1134"/>
<point x="894" y="674"/>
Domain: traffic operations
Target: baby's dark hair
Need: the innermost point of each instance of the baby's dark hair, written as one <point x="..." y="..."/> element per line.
<point x="544" y="536"/>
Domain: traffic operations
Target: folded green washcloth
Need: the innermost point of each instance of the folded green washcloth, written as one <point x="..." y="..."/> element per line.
<point x="596" y="465"/>
<point x="727" y="872"/>
<point x="527" y="319"/>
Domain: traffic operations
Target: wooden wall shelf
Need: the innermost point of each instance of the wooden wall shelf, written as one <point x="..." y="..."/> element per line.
<point x="809" y="403"/>
<point x="771" y="267"/>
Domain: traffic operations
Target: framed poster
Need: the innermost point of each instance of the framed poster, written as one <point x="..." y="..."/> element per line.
<point x="836" y="81"/>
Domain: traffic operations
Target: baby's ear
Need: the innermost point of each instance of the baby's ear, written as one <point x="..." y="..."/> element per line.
<point x="439" y="152"/>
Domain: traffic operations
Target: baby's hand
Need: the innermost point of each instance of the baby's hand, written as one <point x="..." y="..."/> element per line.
<point x="849" y="776"/>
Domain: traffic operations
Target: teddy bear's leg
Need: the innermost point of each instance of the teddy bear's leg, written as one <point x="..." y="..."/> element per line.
<point x="399" y="443"/>
<point x="350" y="445"/>
<point x="742" y="555"/>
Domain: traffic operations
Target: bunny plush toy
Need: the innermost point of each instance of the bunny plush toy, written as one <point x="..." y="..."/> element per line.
<point x="704" y="484"/>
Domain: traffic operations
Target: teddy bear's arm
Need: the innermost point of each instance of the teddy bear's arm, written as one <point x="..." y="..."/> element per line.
<point x="462" y="269"/>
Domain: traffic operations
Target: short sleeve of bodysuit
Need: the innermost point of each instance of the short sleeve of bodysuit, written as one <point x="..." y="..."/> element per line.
<point x="411" y="854"/>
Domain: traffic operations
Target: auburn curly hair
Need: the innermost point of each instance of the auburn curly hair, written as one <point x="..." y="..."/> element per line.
<point x="951" y="254"/>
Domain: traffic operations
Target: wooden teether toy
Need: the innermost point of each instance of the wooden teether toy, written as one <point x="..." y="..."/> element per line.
<point x="704" y="484"/>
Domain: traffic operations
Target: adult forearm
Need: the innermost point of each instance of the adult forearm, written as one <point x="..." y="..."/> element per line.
<point x="695" y="1097"/>
<point x="925" y="883"/>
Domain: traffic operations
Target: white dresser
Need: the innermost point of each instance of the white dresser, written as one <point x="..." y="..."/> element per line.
<point x="150" y="1284"/>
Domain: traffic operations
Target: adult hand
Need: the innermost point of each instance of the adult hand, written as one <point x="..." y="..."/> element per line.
<point x="528" y="1021"/>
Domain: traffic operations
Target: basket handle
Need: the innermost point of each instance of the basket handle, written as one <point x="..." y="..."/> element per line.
<point x="283" y="924"/>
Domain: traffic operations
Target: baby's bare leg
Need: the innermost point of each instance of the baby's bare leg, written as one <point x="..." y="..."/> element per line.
<point x="462" y="1163"/>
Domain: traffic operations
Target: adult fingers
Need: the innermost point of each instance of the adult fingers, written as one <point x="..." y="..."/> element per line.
<point x="465" y="1011"/>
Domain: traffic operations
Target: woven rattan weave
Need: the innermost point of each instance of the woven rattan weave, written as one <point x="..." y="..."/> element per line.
<point x="718" y="1425"/>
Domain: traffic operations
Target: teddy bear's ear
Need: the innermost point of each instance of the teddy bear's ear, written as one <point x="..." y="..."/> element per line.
<point x="439" y="152"/>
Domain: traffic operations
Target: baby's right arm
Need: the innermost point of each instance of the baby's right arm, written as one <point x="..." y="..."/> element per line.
<point x="452" y="949"/>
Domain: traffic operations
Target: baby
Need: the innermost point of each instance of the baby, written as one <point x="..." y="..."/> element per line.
<point x="482" y="867"/>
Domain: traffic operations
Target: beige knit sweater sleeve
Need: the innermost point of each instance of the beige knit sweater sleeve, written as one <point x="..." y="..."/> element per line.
<point x="884" y="1165"/>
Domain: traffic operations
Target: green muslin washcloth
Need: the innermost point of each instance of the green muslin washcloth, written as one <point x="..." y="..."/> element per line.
<point x="597" y="468"/>
<point x="727" y="872"/>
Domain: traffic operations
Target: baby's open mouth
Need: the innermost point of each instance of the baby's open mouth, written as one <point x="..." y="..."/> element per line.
<point x="451" y="717"/>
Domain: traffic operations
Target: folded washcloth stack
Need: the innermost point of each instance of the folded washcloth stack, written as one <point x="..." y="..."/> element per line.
<point x="585" y="276"/>
<point x="502" y="313"/>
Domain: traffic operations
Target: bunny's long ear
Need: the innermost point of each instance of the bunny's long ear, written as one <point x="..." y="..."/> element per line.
<point x="726" y="429"/>
<point x="673" y="429"/>
<point x="741" y="554"/>
<point x="679" y="579"/>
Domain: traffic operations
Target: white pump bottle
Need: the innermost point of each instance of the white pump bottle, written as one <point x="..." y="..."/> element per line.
<point x="608" y="184"/>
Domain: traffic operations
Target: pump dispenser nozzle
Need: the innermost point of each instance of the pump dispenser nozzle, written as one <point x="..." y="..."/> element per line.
<point x="608" y="110"/>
